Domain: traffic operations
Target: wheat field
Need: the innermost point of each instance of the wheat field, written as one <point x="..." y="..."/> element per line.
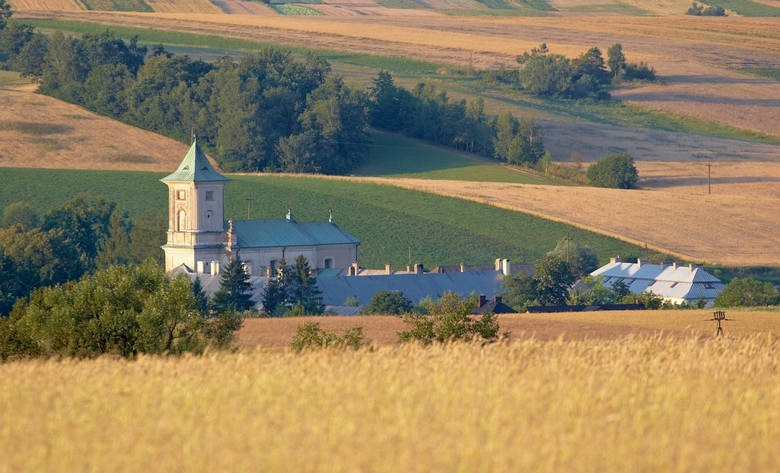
<point x="637" y="403"/>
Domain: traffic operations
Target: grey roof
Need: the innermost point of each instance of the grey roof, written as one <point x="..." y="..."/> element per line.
<point x="688" y="283"/>
<point x="337" y="289"/>
<point x="195" y="167"/>
<point x="416" y="287"/>
<point x="286" y="233"/>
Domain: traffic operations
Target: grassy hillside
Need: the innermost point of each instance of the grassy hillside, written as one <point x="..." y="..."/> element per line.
<point x="397" y="156"/>
<point x="389" y="221"/>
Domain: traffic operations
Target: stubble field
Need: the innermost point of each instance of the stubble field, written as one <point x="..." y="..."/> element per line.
<point x="641" y="403"/>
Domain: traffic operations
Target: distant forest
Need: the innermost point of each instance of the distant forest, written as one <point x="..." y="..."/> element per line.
<point x="266" y="111"/>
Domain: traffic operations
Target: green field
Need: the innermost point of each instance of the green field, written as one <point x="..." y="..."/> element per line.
<point x="389" y="221"/>
<point x="398" y="156"/>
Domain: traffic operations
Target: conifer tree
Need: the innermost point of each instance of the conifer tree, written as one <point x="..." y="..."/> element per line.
<point x="235" y="290"/>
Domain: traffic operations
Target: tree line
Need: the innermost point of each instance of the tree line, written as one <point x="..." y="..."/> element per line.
<point x="266" y="111"/>
<point x="429" y="114"/>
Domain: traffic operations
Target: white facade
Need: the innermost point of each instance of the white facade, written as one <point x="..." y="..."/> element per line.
<point x="677" y="284"/>
<point x="201" y="241"/>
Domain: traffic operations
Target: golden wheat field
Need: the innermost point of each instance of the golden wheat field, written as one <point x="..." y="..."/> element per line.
<point x="636" y="403"/>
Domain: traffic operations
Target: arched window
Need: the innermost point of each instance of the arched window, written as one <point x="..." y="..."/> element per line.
<point x="208" y="214"/>
<point x="181" y="221"/>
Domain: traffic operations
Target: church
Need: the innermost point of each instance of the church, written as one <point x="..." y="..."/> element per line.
<point x="201" y="241"/>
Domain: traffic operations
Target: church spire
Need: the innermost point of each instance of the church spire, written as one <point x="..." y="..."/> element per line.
<point x="195" y="167"/>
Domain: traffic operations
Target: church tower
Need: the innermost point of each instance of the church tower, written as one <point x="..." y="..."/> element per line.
<point x="196" y="225"/>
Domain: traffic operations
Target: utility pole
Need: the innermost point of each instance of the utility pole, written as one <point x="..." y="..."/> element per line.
<point x="709" y="177"/>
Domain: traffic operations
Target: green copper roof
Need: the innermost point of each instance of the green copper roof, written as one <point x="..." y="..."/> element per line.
<point x="195" y="167"/>
<point x="276" y="233"/>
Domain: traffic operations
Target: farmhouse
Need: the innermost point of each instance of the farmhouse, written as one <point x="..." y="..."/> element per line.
<point x="199" y="239"/>
<point x="677" y="284"/>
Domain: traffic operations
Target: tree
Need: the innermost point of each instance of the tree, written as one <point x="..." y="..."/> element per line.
<point x="449" y="321"/>
<point x="580" y="258"/>
<point x="302" y="291"/>
<point x="235" y="290"/>
<point x="553" y="277"/>
<point x="616" y="60"/>
<point x="384" y="102"/>
<point x="747" y="292"/>
<point x="615" y="171"/>
<point x="20" y="213"/>
<point x="5" y="13"/>
<point x="519" y="291"/>
<point x="85" y="224"/>
<point x="543" y="73"/>
<point x="389" y="303"/>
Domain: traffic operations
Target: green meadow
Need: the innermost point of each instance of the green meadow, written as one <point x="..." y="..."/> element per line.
<point x="392" y="155"/>
<point x="390" y="222"/>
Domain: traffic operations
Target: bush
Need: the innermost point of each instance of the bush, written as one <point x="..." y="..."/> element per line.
<point x="449" y="321"/>
<point x="615" y="171"/>
<point x="389" y="302"/>
<point x="311" y="336"/>
<point x="747" y="292"/>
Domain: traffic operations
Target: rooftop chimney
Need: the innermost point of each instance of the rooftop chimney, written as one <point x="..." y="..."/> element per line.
<point x="418" y="268"/>
<point x="497" y="299"/>
<point x="388" y="270"/>
<point x="498" y="264"/>
<point x="482" y="300"/>
<point x="506" y="268"/>
<point x="462" y="268"/>
<point x="674" y="265"/>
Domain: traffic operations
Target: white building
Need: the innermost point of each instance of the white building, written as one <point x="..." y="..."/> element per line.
<point x="201" y="241"/>
<point x="675" y="283"/>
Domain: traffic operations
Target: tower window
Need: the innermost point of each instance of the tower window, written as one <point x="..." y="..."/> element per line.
<point x="208" y="214"/>
<point x="209" y="195"/>
<point x="327" y="263"/>
<point x="181" y="221"/>
<point x="181" y="195"/>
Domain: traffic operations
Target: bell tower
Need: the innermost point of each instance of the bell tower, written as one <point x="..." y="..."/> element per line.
<point x="196" y="222"/>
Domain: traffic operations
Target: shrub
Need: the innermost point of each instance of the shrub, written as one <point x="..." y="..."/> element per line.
<point x="449" y="321"/>
<point x="389" y="302"/>
<point x="615" y="171"/>
<point x="311" y="336"/>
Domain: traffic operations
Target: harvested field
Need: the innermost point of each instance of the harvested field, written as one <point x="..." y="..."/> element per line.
<point x="46" y="5"/>
<point x="593" y="141"/>
<point x="696" y="57"/>
<point x="42" y="132"/>
<point x="277" y="332"/>
<point x="726" y="229"/>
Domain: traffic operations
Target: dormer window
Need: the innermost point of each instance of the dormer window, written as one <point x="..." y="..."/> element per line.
<point x="181" y="195"/>
<point x="209" y="196"/>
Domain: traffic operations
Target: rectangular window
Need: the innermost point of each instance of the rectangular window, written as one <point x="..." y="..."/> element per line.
<point x="181" y="195"/>
<point x="209" y="195"/>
